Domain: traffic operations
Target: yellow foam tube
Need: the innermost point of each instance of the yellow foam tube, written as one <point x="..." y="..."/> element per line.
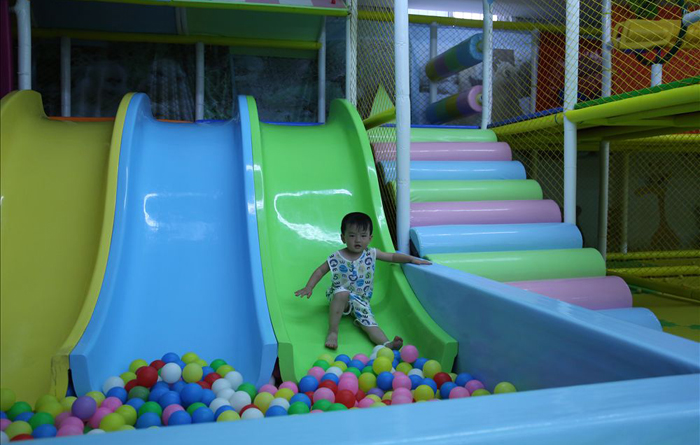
<point x="648" y="34"/>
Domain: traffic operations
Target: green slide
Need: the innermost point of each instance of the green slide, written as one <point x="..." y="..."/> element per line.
<point x="306" y="179"/>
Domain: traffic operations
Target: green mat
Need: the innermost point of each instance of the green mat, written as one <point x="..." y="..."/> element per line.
<point x="635" y="93"/>
<point x="486" y="190"/>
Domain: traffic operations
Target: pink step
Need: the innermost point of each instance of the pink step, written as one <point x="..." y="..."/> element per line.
<point x="447" y="151"/>
<point x="484" y="212"/>
<point x="592" y="293"/>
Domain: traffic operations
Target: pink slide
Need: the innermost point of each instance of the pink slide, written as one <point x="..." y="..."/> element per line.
<point x="447" y="151"/>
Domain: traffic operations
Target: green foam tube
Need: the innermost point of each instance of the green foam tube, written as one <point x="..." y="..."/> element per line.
<point x="454" y="135"/>
<point x="525" y="265"/>
<point x="486" y="190"/>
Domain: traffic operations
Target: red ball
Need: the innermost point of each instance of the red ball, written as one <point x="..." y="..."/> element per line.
<point x="19" y="437"/>
<point x="157" y="364"/>
<point x="441" y="377"/>
<point x="330" y="384"/>
<point x="130" y="384"/>
<point x="211" y="378"/>
<point x="310" y="395"/>
<point x="386" y="402"/>
<point x="360" y="395"/>
<point x="246" y="407"/>
<point x="204" y="384"/>
<point x="147" y="376"/>
<point x="345" y="397"/>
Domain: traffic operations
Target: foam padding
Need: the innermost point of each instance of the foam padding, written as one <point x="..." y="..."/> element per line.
<point x="427" y="191"/>
<point x="458" y="170"/>
<point x="484" y="212"/>
<point x="592" y="293"/>
<point x="638" y="315"/>
<point x="447" y="151"/>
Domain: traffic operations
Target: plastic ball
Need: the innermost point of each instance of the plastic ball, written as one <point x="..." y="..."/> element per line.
<point x="263" y="400"/>
<point x="300" y="397"/>
<point x="401" y="381"/>
<point x="228" y="416"/>
<point x="334" y="370"/>
<point x="39" y="419"/>
<point x="215" y="364"/>
<point x="322" y="405"/>
<point x="239" y="400"/>
<point x="290" y="385"/>
<point x="385" y="380"/>
<point x="284" y="403"/>
<point x="441" y="378"/>
<point x="168" y="412"/>
<point x="340" y="365"/>
<point x="275" y="411"/>
<point x="194" y="407"/>
<point x="170" y="373"/>
<point x="72" y="421"/>
<point x="178" y="386"/>
<point x="149" y="419"/>
<point x="127" y="377"/>
<point x="446" y="388"/>
<point x="220" y="385"/>
<point x="235" y="378"/>
<point x="208" y="396"/>
<point x="203" y="415"/>
<point x="404" y="367"/>
<point x="457" y="392"/>
<point x="387" y="396"/>
<point x="191" y="393"/>
<point x="128" y="413"/>
<point x="69" y="431"/>
<point x="272" y="389"/>
<point x="252" y="413"/>
<point x="135" y="403"/>
<point x="139" y="392"/>
<point x="298" y="408"/>
<point x="221" y="409"/>
<point x="395" y="400"/>
<point x="481" y="392"/>
<point x="118" y="393"/>
<point x="337" y="407"/>
<point x="330" y="384"/>
<point x="136" y="364"/>
<point x="504" y="387"/>
<point x="409" y="353"/>
<point x="316" y="372"/>
<point x="381" y="364"/>
<point x="423" y="392"/>
<point x="346" y="398"/>
<point x="211" y="378"/>
<point x="24" y="417"/>
<point x="366" y="402"/>
<point x="367" y="381"/>
<point x="418" y="364"/>
<point x="179" y="417"/>
<point x="202" y="363"/>
<point x="112" y="382"/>
<point x="322" y="364"/>
<point x="473" y="385"/>
<point x="463" y="378"/>
<point x="46" y="398"/>
<point x="376" y="392"/>
<point x="348" y="384"/>
<point x="17" y="428"/>
<point x="157" y="393"/>
<point x="150" y="407"/>
<point x="324" y="393"/>
<point x="112" y="422"/>
<point x="100" y="431"/>
<point x="250" y="389"/>
<point x="225" y="394"/>
<point x="170" y="357"/>
<point x="285" y="393"/>
<point x="308" y="383"/>
<point x="431" y="367"/>
<point x="329" y="376"/>
<point x="361" y="357"/>
<point x="224" y="370"/>
<point x="96" y="418"/>
<point x="218" y="403"/>
<point x="84" y="407"/>
<point x="44" y="431"/>
<point x="416" y="372"/>
<point x="431" y="383"/>
<point x="169" y="398"/>
<point x="189" y="357"/>
<point x="192" y="373"/>
<point x="386" y="352"/>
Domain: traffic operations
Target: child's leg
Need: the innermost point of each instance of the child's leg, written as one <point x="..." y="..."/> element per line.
<point x="335" y="312"/>
<point x="378" y="337"/>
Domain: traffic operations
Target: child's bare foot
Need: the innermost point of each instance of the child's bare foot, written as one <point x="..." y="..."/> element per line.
<point x="332" y="340"/>
<point x="396" y="343"/>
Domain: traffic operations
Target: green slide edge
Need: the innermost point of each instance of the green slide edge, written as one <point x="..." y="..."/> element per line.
<point x="324" y="172"/>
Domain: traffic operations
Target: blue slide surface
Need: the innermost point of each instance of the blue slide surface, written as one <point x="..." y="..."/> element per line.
<point x="184" y="271"/>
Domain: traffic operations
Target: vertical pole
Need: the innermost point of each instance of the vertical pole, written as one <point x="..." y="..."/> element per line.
<point x="625" y="199"/>
<point x="604" y="152"/>
<point x="351" y="53"/>
<point x="24" y="38"/>
<point x="433" y="54"/>
<point x="65" y="77"/>
<point x="657" y="71"/>
<point x="570" y="98"/>
<point x="486" y="65"/>
<point x="534" y="62"/>
<point x="199" y="84"/>
<point x="322" y="74"/>
<point x="403" y="125"/>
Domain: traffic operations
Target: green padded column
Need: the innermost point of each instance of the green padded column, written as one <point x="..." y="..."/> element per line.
<point x="486" y="190"/>
<point x="451" y="135"/>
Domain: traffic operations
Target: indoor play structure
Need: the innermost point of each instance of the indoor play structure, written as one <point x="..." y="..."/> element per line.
<point x="131" y="236"/>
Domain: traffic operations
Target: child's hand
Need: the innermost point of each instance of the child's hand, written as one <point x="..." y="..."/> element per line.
<point x="304" y="291"/>
<point x="420" y="261"/>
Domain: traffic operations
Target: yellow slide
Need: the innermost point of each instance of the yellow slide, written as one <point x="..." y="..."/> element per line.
<point x="58" y="189"/>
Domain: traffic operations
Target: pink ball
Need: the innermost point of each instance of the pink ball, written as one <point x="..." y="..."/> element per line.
<point x="316" y="411"/>
<point x="409" y="353"/>
<point x="169" y="410"/>
<point x="290" y="385"/>
<point x="473" y="385"/>
<point x="72" y="421"/>
<point x="349" y="384"/>
<point x="60" y="418"/>
<point x="4" y="423"/>
<point x="324" y="393"/>
<point x="111" y="403"/>
<point x="401" y="400"/>
<point x="348" y="375"/>
<point x="272" y="389"/>
<point x="366" y="403"/>
<point x="402" y="392"/>
<point x="361" y="357"/>
<point x="317" y="372"/>
<point x="97" y="417"/>
<point x="401" y="381"/>
<point x="69" y="431"/>
<point x="459" y="392"/>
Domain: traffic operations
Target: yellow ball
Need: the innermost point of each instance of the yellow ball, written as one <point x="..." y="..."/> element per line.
<point x="127" y="428"/>
<point x="423" y="392"/>
<point x="453" y="376"/>
<point x="44" y="399"/>
<point x="7" y="399"/>
<point x="367" y="381"/>
<point x="98" y="396"/>
<point x="374" y="397"/>
<point x="127" y="376"/>
<point x="387" y="395"/>
<point x="18" y="427"/>
<point x="228" y="416"/>
<point x="190" y="357"/>
<point x="112" y="422"/>
<point x="285" y="393"/>
<point x="192" y="373"/>
<point x="381" y="364"/>
<point x="327" y="357"/>
<point x="262" y="401"/>
<point x="404" y="367"/>
<point x="430" y="368"/>
<point x="136" y="364"/>
<point x="67" y="403"/>
<point x="201" y="362"/>
<point x="224" y="369"/>
<point x="341" y="365"/>
<point x="53" y="408"/>
<point x="129" y="414"/>
<point x="386" y="353"/>
<point x="377" y="405"/>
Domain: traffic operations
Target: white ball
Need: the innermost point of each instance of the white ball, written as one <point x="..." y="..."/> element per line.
<point x="252" y="413"/>
<point x="96" y="431"/>
<point x="112" y="382"/>
<point x="373" y="356"/>
<point x="235" y="378"/>
<point x="415" y="371"/>
<point x="171" y="372"/>
<point x="225" y="393"/>
<point x="239" y="400"/>
<point x="4" y="438"/>
<point x="377" y="348"/>
<point x="280" y="401"/>
<point x="218" y="403"/>
<point x="220" y="384"/>
<point x="334" y="370"/>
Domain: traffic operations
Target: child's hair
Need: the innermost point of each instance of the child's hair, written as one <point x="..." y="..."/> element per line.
<point x="361" y="220"/>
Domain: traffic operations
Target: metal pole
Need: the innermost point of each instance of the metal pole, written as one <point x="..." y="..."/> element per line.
<point x="322" y="74"/>
<point x="433" y="53"/>
<point x="24" y="38"/>
<point x="65" y="77"/>
<point x="534" y="62"/>
<point x="403" y="125"/>
<point x="486" y="65"/>
<point x="625" y="199"/>
<point x="657" y="71"/>
<point x="199" y="84"/>
<point x="570" y="97"/>
<point x="604" y="152"/>
<point x="351" y="53"/>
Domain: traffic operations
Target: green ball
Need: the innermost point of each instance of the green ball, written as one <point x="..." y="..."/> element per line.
<point x="136" y="364"/>
<point x="53" y="408"/>
<point x="194" y="407"/>
<point x="322" y="404"/>
<point x="355" y="371"/>
<point x="46" y="398"/>
<point x="216" y="363"/>
<point x="480" y="392"/>
<point x="139" y="392"/>
<point x="17" y="428"/>
<point x="192" y="373"/>
<point x="224" y="369"/>
<point x="190" y="357"/>
<point x="112" y="422"/>
<point x="7" y="399"/>
<point x="128" y="412"/>
<point x="322" y="364"/>
<point x="150" y="407"/>
<point x="17" y="409"/>
<point x="367" y="370"/>
<point x="338" y="407"/>
<point x="127" y="376"/>
<point x="298" y="408"/>
<point x="40" y="419"/>
<point x="87" y="428"/>
<point x="249" y="388"/>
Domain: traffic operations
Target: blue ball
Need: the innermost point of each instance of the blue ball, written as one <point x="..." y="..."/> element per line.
<point x="397" y="355"/>
<point x="356" y="364"/>
<point x="169" y="398"/>
<point x="330" y="376"/>
<point x="170" y="357"/>
<point x="181" y="363"/>
<point x="416" y="381"/>
<point x="148" y="420"/>
<point x="430" y="382"/>
<point x="43" y="431"/>
<point x="206" y="370"/>
<point x="384" y="380"/>
<point x="202" y="415"/>
<point x="191" y="393"/>
<point x="118" y="392"/>
<point x="275" y="411"/>
<point x="222" y="409"/>
<point x="300" y="397"/>
<point x="178" y="386"/>
<point x="136" y="403"/>
<point x="370" y="363"/>
<point x="179" y="418"/>
<point x="156" y="394"/>
<point x="308" y="383"/>
<point x="208" y="396"/>
<point x="3" y="415"/>
<point x="70" y="392"/>
<point x="446" y="388"/>
<point x="418" y="364"/>
<point x="395" y="363"/>
<point x="342" y="358"/>
<point x="159" y="385"/>
<point x="24" y="417"/>
<point x="463" y="378"/>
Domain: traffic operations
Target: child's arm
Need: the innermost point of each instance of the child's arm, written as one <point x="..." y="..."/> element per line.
<point x="313" y="281"/>
<point x="397" y="257"/>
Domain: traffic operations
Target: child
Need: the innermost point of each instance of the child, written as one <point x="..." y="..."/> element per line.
<point x="352" y="280"/>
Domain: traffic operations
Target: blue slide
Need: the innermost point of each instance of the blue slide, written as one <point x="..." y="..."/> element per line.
<point x="184" y="271"/>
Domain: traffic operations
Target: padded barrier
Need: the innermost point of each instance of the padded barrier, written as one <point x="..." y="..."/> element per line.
<point x="459" y="170"/>
<point x="447" y="151"/>
<point x="508" y="189"/>
<point x="484" y="212"/>
<point x="592" y="293"/>
<point x="638" y="315"/>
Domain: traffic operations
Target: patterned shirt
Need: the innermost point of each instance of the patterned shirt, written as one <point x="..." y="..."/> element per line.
<point x="356" y="277"/>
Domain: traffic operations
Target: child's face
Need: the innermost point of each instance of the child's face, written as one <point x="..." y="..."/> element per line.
<point x="356" y="239"/>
